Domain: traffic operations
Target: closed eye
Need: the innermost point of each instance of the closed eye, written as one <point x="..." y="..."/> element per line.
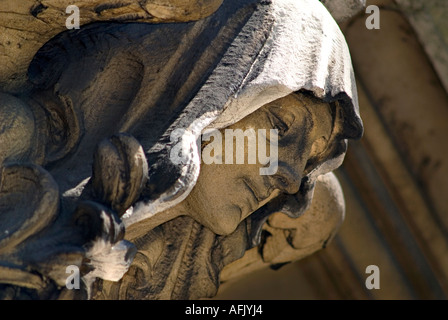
<point x="278" y="124"/>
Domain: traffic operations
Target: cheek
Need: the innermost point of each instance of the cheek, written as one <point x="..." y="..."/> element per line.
<point x="212" y="200"/>
<point x="216" y="187"/>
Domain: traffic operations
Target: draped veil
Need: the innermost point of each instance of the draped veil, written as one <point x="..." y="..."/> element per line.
<point x="284" y="46"/>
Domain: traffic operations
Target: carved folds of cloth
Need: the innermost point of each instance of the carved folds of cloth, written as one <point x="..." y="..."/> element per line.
<point x="86" y="130"/>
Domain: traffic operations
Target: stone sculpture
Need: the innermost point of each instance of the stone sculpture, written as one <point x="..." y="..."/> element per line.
<point x="102" y="144"/>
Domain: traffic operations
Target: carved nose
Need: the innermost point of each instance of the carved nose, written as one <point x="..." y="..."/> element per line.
<point x="287" y="179"/>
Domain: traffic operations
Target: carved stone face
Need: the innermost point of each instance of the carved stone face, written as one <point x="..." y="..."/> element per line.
<point x="225" y="194"/>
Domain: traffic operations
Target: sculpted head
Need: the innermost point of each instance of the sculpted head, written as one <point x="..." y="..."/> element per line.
<point x="227" y="193"/>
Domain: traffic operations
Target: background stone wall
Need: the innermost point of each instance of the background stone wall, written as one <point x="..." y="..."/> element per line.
<point x="395" y="179"/>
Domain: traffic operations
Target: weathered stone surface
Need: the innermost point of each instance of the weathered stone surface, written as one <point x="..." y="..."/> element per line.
<point x="288" y="239"/>
<point x="390" y="209"/>
<point x="429" y="23"/>
<point x="106" y="122"/>
<point x="342" y="10"/>
<point x="27" y="25"/>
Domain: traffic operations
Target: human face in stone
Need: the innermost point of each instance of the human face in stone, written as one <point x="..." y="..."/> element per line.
<point x="225" y="194"/>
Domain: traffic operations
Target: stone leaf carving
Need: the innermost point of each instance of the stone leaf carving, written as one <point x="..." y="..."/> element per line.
<point x="27" y="25"/>
<point x="38" y="243"/>
<point x="29" y="202"/>
<point x="88" y="116"/>
<point x="120" y="171"/>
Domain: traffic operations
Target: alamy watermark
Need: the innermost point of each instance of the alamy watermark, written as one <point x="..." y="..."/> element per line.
<point x="73" y="21"/>
<point x="373" y="280"/>
<point x="234" y="151"/>
<point x="373" y="20"/>
<point x="74" y="278"/>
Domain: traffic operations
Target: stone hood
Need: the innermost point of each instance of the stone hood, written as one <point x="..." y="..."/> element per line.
<point x="284" y="46"/>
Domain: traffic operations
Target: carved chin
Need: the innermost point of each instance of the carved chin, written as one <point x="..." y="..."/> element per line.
<point x="222" y="222"/>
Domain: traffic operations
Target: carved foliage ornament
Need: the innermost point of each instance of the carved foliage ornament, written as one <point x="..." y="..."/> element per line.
<point x="88" y="178"/>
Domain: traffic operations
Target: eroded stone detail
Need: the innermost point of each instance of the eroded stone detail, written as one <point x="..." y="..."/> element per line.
<point x="87" y="127"/>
